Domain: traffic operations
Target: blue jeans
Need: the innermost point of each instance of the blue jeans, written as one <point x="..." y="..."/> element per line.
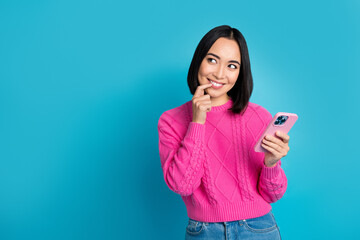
<point x="264" y="227"/>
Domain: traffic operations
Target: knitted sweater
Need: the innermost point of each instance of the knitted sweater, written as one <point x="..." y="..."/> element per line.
<point x="214" y="167"/>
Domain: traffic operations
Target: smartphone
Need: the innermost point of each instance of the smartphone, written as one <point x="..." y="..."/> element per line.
<point x="282" y="122"/>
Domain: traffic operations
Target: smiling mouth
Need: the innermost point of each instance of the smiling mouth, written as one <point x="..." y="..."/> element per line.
<point x="215" y="83"/>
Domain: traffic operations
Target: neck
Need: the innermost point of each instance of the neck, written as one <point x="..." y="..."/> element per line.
<point x="219" y="102"/>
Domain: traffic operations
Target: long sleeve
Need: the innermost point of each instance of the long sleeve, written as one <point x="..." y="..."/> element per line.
<point x="181" y="158"/>
<point x="272" y="182"/>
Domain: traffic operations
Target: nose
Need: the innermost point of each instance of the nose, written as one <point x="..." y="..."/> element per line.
<point x="219" y="73"/>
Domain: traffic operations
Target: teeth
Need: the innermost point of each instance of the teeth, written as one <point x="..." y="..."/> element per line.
<point x="216" y="84"/>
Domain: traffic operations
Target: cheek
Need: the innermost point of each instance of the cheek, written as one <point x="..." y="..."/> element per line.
<point x="202" y="71"/>
<point x="205" y="69"/>
<point x="202" y="74"/>
<point x="234" y="77"/>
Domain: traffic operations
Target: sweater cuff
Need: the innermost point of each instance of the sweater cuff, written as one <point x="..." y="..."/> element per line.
<point x="196" y="130"/>
<point x="271" y="172"/>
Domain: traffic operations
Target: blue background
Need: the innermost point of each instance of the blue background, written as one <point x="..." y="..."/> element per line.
<point x="83" y="83"/>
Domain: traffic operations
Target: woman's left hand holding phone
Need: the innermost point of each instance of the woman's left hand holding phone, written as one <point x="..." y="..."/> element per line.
<point x="277" y="148"/>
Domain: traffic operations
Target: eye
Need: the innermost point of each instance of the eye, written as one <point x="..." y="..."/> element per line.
<point x="232" y="66"/>
<point x="211" y="60"/>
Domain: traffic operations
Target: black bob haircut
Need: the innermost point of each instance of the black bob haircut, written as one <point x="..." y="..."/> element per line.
<point x="240" y="93"/>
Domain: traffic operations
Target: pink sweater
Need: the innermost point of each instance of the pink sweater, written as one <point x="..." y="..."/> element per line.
<point x="214" y="167"/>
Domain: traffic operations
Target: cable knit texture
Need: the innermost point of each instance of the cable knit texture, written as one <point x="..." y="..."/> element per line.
<point x="214" y="167"/>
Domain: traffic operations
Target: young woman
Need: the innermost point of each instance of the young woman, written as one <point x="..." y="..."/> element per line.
<point x="206" y="146"/>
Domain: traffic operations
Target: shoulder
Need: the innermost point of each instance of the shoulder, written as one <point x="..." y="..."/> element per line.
<point x="256" y="119"/>
<point x="175" y="115"/>
<point x="258" y="109"/>
<point x="257" y="112"/>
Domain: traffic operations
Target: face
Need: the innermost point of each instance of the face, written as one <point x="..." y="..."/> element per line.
<point x="221" y="66"/>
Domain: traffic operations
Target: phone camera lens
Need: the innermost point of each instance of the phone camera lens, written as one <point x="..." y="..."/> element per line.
<point x="281" y="119"/>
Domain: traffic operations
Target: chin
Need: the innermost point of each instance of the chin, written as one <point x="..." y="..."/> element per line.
<point x="212" y="94"/>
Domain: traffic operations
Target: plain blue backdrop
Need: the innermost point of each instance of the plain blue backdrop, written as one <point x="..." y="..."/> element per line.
<point x="83" y="84"/>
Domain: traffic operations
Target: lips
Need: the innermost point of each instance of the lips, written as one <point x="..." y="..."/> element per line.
<point x="216" y="86"/>
<point x="215" y="81"/>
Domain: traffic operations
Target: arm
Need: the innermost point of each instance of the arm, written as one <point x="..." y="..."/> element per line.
<point x="272" y="182"/>
<point x="181" y="159"/>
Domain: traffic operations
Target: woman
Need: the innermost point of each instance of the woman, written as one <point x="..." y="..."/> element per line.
<point x="207" y="144"/>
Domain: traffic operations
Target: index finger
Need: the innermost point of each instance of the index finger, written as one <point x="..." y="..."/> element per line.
<point x="283" y="135"/>
<point x="200" y="89"/>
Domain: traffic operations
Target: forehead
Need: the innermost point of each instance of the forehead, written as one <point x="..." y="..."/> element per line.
<point x="227" y="49"/>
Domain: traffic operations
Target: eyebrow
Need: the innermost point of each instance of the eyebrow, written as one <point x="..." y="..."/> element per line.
<point x="232" y="61"/>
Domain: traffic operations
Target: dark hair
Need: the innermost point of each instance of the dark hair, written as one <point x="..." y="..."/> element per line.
<point x="240" y="93"/>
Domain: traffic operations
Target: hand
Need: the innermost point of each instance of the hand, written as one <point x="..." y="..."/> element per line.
<point x="201" y="104"/>
<point x="277" y="148"/>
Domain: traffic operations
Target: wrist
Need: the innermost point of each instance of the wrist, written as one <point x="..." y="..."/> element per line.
<point x="198" y="122"/>
<point x="269" y="165"/>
